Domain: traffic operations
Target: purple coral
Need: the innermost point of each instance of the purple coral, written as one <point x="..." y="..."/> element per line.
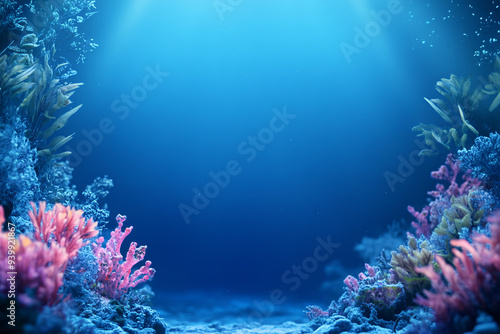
<point x="427" y="218"/>
<point x="114" y="275"/>
<point x="449" y="172"/>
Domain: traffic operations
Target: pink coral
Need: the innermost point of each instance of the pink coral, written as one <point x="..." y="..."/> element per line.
<point x="429" y="217"/>
<point x="422" y="227"/>
<point x="352" y="283"/>
<point x="314" y="311"/>
<point x="36" y="268"/>
<point x="62" y="225"/>
<point x="114" y="276"/>
<point x="449" y="172"/>
<point x="472" y="283"/>
<point x="40" y="269"/>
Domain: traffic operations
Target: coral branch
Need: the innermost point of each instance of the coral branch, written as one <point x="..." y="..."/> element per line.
<point x="472" y="283"/>
<point x="62" y="225"/>
<point x="114" y="276"/>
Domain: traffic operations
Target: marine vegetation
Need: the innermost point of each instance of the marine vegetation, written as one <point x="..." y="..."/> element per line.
<point x="460" y="109"/>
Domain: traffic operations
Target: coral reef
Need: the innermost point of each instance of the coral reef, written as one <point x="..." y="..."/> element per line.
<point x="40" y="261"/>
<point x="61" y="285"/>
<point x="56" y="268"/>
<point x="383" y="299"/>
<point x="471" y="284"/>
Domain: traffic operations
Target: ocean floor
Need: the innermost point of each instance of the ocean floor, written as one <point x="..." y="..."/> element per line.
<point x="197" y="312"/>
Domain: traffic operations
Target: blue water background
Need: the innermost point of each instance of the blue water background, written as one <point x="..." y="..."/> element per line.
<point x="322" y="175"/>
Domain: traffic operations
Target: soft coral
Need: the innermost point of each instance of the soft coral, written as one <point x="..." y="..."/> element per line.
<point x="472" y="283"/>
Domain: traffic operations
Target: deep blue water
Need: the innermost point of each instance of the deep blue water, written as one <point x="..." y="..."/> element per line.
<point x="316" y="173"/>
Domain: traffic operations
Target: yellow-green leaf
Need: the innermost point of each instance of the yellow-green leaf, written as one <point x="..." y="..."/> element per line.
<point x="60" y="122"/>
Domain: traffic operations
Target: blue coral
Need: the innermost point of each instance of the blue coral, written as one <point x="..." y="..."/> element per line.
<point x="92" y="195"/>
<point x="18" y="180"/>
<point x="483" y="159"/>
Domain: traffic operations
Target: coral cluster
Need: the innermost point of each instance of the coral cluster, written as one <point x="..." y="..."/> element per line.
<point x="483" y="160"/>
<point x="60" y="284"/>
<point x="453" y="202"/>
<point x="40" y="261"/>
<point x="460" y="110"/>
<point x="453" y="228"/>
<point x="471" y="284"/>
<point x="55" y="266"/>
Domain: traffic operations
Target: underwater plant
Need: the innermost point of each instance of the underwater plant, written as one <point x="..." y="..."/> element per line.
<point x="455" y="109"/>
<point x="39" y="107"/>
<point x="493" y="87"/>
<point x="461" y="110"/>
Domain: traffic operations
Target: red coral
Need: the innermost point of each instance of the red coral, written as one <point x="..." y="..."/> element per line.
<point x="472" y="283"/>
<point x="114" y="276"/>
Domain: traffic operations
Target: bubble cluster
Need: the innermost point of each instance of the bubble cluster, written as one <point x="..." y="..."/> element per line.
<point x="475" y="24"/>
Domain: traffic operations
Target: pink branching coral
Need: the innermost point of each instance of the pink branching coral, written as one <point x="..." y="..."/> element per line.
<point x="449" y="172"/>
<point x="314" y="311"/>
<point x="472" y="284"/>
<point x="422" y="225"/>
<point x="428" y="219"/>
<point x="36" y="267"/>
<point x="63" y="226"/>
<point x="114" y="276"/>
